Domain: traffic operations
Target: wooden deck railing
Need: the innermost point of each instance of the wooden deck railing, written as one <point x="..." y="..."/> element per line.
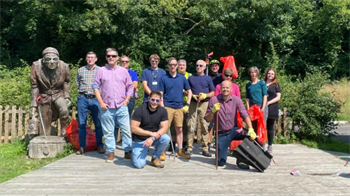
<point x="14" y="123"/>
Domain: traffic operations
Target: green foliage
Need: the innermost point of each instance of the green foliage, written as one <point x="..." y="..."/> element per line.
<point x="15" y="86"/>
<point x="304" y="35"/>
<point x="311" y="111"/>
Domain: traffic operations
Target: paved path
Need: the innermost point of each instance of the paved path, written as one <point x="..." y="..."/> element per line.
<point x="343" y="133"/>
<point x="90" y="175"/>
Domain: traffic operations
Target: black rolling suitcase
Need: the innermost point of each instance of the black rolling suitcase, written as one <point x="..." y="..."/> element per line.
<point x="251" y="153"/>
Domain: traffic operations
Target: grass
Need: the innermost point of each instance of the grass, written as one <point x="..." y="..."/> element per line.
<point x="14" y="160"/>
<point x="341" y="92"/>
<point x="332" y="145"/>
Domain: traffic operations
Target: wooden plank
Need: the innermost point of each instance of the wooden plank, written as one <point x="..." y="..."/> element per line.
<point x="74" y="113"/>
<point x="196" y="176"/>
<point x="285" y="122"/>
<point x="279" y="126"/>
<point x="1" y="114"/>
<point x="13" y="123"/>
<point x="20" y="123"/>
<point x="58" y="127"/>
<point x="6" y="135"/>
<point x="26" y="119"/>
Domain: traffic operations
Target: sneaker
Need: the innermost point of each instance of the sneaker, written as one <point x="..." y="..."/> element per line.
<point x="101" y="150"/>
<point x="242" y="165"/>
<point x="188" y="152"/>
<point x="162" y="157"/>
<point x="206" y="153"/>
<point x="181" y="153"/>
<point x="269" y="149"/>
<point x="110" y="157"/>
<point x="127" y="155"/>
<point x="156" y="163"/>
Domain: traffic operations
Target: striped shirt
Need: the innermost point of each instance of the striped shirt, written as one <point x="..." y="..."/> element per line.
<point x="86" y="78"/>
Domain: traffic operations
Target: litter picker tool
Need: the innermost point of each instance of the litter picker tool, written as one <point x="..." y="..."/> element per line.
<point x="171" y="143"/>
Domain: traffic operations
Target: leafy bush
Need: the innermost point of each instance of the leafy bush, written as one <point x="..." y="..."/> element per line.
<point x="311" y="110"/>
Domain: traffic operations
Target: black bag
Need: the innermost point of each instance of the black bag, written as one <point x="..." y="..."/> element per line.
<point x="251" y="153"/>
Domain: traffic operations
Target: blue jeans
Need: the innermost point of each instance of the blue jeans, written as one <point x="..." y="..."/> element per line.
<point x="109" y="118"/>
<point x="84" y="105"/>
<point x="131" y="106"/>
<point x="236" y="133"/>
<point x="139" y="152"/>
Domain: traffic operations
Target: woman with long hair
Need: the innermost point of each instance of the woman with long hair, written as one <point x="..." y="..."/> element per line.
<point x="274" y="95"/>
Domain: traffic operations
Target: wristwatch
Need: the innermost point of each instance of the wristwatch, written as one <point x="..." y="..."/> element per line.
<point x="153" y="138"/>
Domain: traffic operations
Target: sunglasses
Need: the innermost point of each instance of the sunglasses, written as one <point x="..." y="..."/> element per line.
<point x="154" y="61"/>
<point x="228" y="75"/>
<point x="113" y="56"/>
<point x="155" y="100"/>
<point x="199" y="65"/>
<point x="172" y="65"/>
<point x="124" y="61"/>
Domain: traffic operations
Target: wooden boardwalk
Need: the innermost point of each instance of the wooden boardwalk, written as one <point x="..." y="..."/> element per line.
<point x="90" y="175"/>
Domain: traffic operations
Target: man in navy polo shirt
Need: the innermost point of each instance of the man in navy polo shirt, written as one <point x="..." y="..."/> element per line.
<point x="172" y="86"/>
<point x="203" y="89"/>
<point x="151" y="76"/>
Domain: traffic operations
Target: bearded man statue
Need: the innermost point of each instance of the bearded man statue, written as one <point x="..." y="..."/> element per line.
<point x="49" y="93"/>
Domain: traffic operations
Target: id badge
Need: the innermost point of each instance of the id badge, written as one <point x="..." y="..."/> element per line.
<point x="154" y="83"/>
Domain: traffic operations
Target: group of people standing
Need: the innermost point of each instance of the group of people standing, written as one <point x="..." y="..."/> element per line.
<point x="175" y="98"/>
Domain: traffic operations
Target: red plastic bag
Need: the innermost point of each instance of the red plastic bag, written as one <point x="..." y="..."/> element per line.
<point x="229" y="62"/>
<point x="235" y="143"/>
<point x="256" y="113"/>
<point x="72" y="133"/>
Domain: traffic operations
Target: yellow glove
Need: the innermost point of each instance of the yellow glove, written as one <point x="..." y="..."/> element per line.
<point x="202" y="96"/>
<point x="195" y="97"/>
<point x="216" y="107"/>
<point x="251" y="133"/>
<point x="185" y="108"/>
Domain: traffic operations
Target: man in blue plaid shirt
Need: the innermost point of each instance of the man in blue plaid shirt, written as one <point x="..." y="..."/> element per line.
<point x="87" y="101"/>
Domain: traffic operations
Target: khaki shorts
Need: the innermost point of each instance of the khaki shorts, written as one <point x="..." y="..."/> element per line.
<point x="175" y="114"/>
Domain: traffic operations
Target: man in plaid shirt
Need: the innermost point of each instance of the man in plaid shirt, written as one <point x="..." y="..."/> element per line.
<point x="87" y="101"/>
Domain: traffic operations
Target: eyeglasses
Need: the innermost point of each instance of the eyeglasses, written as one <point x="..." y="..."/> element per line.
<point x="199" y="65"/>
<point x="113" y="56"/>
<point x="172" y="65"/>
<point x="124" y="61"/>
<point x="228" y="75"/>
<point x="155" y="100"/>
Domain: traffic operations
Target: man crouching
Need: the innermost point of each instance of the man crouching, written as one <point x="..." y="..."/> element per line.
<point x="148" y="126"/>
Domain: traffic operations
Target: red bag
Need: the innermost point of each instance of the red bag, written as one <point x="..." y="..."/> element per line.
<point x="235" y="143"/>
<point x="229" y="62"/>
<point x="256" y="113"/>
<point x="72" y="133"/>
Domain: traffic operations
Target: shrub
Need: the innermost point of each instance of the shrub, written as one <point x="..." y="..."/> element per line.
<point x="311" y="110"/>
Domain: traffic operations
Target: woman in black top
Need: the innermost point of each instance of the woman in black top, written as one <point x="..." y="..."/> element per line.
<point x="274" y="95"/>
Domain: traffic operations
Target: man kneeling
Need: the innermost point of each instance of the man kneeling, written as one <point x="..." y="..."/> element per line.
<point x="148" y="126"/>
<point x="226" y="106"/>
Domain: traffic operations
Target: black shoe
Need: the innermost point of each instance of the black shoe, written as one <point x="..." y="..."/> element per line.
<point x="127" y="155"/>
<point x="242" y="165"/>
<point x="206" y="153"/>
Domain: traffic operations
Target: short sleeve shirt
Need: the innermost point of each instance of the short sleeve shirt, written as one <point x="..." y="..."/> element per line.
<point x="150" y="120"/>
<point x="172" y="88"/>
<point x="152" y="77"/>
<point x="256" y="92"/>
<point x="201" y="84"/>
